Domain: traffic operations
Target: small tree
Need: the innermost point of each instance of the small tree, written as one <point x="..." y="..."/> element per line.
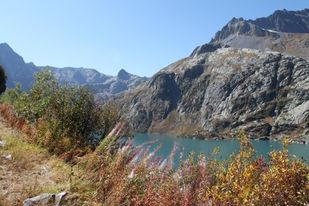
<point x="31" y="105"/>
<point x="76" y="113"/>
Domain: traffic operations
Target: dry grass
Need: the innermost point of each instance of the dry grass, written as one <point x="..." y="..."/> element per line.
<point x="30" y="170"/>
<point x="269" y="120"/>
<point x="293" y="45"/>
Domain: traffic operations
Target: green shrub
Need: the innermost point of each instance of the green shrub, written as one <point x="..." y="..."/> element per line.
<point x="65" y="116"/>
<point x="11" y="96"/>
<point x="73" y="113"/>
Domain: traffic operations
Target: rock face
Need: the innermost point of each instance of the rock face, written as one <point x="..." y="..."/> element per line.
<point x="222" y="91"/>
<point x="103" y="86"/>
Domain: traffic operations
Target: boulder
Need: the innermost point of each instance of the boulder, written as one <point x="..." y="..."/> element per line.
<point x="7" y="157"/>
<point x="45" y="199"/>
<point x="2" y="143"/>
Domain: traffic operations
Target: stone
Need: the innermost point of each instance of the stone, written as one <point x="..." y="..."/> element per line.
<point x="2" y="143"/>
<point x="45" y="199"/>
<point x="7" y="157"/>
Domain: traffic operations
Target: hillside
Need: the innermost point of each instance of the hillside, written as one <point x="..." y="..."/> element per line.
<point x="218" y="90"/>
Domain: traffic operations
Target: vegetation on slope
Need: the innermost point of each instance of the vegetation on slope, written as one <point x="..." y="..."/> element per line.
<point x="27" y="170"/>
<point x="131" y="176"/>
<point x="116" y="173"/>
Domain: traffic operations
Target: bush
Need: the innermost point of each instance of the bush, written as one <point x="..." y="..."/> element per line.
<point x="32" y="105"/>
<point x="7" y="113"/>
<point x="65" y="116"/>
<point x="11" y="96"/>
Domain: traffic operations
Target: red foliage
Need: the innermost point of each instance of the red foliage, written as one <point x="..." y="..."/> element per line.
<point x="7" y="113"/>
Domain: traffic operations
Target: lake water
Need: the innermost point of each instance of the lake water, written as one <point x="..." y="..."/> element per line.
<point x="226" y="147"/>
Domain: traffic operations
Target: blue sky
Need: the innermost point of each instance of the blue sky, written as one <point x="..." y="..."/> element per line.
<point x="141" y="36"/>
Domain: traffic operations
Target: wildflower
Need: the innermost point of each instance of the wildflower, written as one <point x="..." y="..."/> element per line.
<point x="132" y="174"/>
<point x="163" y="164"/>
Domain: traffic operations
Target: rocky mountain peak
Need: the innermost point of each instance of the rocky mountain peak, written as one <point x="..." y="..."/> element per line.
<point x="235" y="20"/>
<point x="123" y="74"/>
<point x="278" y="22"/>
<point x="15" y="67"/>
<point x="5" y="46"/>
<point x="240" y="26"/>
<point x="7" y="52"/>
<point x="283" y="31"/>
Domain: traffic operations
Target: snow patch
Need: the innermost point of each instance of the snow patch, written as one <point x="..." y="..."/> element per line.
<point x="272" y="31"/>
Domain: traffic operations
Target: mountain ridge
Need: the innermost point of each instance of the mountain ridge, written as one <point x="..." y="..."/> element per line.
<point x="285" y="21"/>
<point x="18" y="71"/>
<point x="277" y="32"/>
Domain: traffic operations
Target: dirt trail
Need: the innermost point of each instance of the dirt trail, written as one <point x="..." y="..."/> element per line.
<point x="25" y="170"/>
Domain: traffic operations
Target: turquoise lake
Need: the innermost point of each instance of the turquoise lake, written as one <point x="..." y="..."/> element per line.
<point x="226" y="147"/>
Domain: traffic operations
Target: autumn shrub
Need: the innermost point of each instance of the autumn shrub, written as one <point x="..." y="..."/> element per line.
<point x="12" y="120"/>
<point x="135" y="176"/>
<point x="282" y="182"/>
<point x="250" y="181"/>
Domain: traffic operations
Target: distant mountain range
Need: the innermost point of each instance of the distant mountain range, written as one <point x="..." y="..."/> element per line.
<point x="104" y="86"/>
<point x="254" y="74"/>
